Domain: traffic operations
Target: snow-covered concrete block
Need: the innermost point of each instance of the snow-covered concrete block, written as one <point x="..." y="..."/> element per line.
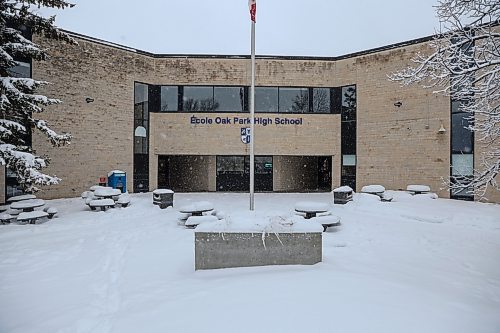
<point x="245" y="249"/>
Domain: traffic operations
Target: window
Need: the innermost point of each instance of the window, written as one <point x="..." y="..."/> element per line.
<point x="462" y="138"/>
<point x="236" y="99"/>
<point x="22" y="69"/>
<point x="230" y="163"/>
<point x="321" y="100"/>
<point x="293" y="100"/>
<point x="169" y="98"/>
<point x="348" y="98"/>
<point x="348" y="134"/>
<point x="266" y="99"/>
<point x="199" y="99"/>
<point x="141" y="137"/>
<point x="348" y="160"/>
<point x="230" y="99"/>
<point x="462" y="164"/>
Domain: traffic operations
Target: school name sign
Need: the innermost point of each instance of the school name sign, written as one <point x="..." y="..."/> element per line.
<point x="263" y="121"/>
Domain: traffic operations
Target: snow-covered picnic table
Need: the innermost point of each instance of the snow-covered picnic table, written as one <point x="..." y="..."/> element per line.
<point x="27" y="205"/>
<point x="21" y="198"/>
<point x="197" y="208"/>
<point x="418" y="189"/>
<point x="373" y="189"/>
<point x="106" y="192"/>
<point x="311" y="208"/>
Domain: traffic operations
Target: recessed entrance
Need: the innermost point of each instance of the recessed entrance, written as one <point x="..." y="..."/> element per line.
<point x="233" y="173"/>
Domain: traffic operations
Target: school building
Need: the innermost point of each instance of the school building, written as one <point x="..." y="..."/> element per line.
<point x="180" y="121"/>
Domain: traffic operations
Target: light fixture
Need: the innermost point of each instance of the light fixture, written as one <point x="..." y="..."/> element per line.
<point x="398" y="104"/>
<point x="441" y="129"/>
<point x="89" y="100"/>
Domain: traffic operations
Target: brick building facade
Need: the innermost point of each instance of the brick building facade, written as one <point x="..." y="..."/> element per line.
<point x="329" y="121"/>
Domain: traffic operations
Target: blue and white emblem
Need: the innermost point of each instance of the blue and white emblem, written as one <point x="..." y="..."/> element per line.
<point x="245" y="135"/>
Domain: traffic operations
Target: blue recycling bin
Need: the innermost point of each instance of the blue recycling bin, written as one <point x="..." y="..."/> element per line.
<point x="118" y="179"/>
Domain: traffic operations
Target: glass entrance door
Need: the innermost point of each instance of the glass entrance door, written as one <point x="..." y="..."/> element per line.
<point x="233" y="173"/>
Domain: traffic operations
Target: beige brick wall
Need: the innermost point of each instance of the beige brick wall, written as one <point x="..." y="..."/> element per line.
<point x="398" y="146"/>
<point x="395" y="146"/>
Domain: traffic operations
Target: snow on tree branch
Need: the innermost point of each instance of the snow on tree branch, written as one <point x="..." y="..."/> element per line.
<point x="465" y="65"/>
<point x="19" y="99"/>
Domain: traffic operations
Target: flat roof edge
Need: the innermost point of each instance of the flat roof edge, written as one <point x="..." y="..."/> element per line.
<point x="270" y="57"/>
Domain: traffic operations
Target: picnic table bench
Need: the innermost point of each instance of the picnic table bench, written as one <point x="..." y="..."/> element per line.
<point x="51" y="211"/>
<point x="101" y="203"/>
<point x="194" y="221"/>
<point x="31" y="217"/>
<point x="311" y="208"/>
<point x="6" y="218"/>
<point x="123" y="200"/>
<point x="327" y="221"/>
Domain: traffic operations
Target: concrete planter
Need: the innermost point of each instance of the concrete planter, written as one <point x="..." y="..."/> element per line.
<point x="246" y="249"/>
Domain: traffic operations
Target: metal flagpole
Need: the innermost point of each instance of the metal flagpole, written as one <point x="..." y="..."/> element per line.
<point x="252" y="111"/>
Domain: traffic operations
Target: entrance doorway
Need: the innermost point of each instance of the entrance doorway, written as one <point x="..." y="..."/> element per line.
<point x="233" y="173"/>
<point x="184" y="173"/>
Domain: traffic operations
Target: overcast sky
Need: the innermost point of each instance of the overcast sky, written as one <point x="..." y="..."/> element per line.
<point x="307" y="27"/>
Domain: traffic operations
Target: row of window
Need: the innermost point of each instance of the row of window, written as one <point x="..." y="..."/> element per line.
<point x="236" y="99"/>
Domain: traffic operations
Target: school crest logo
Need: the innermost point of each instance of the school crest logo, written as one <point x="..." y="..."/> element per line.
<point x="245" y="135"/>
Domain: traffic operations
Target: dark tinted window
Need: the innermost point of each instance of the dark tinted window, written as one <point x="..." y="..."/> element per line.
<point x="348" y="129"/>
<point x="462" y="138"/>
<point x="169" y="98"/>
<point x="348" y="103"/>
<point x="293" y="100"/>
<point x="230" y="163"/>
<point x="23" y="69"/>
<point x="229" y="99"/>
<point x="199" y="99"/>
<point x="321" y="100"/>
<point x="266" y="99"/>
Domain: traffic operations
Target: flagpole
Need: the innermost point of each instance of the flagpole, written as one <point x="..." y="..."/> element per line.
<point x="252" y="111"/>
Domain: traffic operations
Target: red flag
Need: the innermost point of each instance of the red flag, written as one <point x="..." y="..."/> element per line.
<point x="252" y="5"/>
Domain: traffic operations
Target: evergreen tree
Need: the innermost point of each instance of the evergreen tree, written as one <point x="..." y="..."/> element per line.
<point x="20" y="105"/>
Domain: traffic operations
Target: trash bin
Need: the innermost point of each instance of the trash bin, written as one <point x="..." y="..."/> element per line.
<point x="118" y="179"/>
<point x="163" y="198"/>
<point x="342" y="195"/>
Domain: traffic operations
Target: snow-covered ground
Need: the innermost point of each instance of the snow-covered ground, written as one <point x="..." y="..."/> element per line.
<point x="411" y="265"/>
